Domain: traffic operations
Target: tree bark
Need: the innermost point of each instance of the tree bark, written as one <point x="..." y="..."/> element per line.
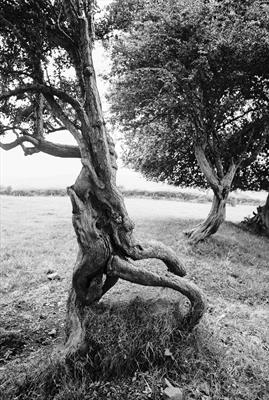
<point x="106" y="245"/>
<point x="213" y="221"/>
<point x="221" y="186"/>
<point x="103" y="228"/>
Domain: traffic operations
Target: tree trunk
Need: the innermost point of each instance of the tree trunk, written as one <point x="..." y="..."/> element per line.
<point x="213" y="221"/>
<point x="103" y="228"/>
<point x="106" y="245"/>
<point x="220" y="183"/>
<point x="260" y="221"/>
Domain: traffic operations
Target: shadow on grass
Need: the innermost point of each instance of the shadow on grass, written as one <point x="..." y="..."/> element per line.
<point x="134" y="346"/>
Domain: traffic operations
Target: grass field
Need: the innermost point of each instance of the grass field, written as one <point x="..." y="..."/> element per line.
<point x="135" y="331"/>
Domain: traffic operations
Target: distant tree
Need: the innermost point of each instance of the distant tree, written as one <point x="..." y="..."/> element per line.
<point x="191" y="88"/>
<point x="256" y="177"/>
<point x="48" y="84"/>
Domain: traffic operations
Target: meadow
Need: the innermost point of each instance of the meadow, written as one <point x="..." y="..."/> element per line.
<point x="135" y="331"/>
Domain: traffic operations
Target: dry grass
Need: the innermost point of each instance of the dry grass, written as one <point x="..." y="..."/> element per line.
<point x="225" y="358"/>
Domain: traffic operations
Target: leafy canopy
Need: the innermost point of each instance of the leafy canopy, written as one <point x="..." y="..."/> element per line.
<point x="186" y="73"/>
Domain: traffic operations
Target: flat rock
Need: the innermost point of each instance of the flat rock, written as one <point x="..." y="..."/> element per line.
<point x="54" y="276"/>
<point x="173" y="393"/>
<point x="53" y="332"/>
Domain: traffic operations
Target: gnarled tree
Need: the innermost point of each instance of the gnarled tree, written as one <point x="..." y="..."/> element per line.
<point x="192" y="76"/>
<point x="48" y="84"/>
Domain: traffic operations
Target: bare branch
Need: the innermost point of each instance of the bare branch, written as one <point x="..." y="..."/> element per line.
<point x="206" y="168"/>
<point x="39" y="123"/>
<point x="54" y="149"/>
<point x="153" y="249"/>
<point x="59" y="150"/>
<point x="61" y="116"/>
<point x="18" y="142"/>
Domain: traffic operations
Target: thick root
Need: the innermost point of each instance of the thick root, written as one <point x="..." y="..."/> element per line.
<point x="158" y="250"/>
<point x="125" y="270"/>
<point x="76" y="343"/>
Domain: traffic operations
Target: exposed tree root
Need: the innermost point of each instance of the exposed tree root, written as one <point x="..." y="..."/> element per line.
<point x="126" y="270"/>
<point x="155" y="249"/>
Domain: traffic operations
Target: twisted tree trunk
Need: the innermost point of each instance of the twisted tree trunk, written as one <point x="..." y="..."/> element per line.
<point x="220" y="183"/>
<point x="103" y="228"/>
<point x="106" y="245"/>
<point x="213" y="221"/>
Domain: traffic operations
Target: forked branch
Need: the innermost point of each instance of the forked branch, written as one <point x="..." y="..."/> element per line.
<point x="53" y="149"/>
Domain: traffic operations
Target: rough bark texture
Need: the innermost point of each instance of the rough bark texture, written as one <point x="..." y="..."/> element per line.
<point x="212" y="223"/>
<point x="103" y="228"/>
<point x="259" y="223"/>
<point x="105" y="249"/>
<point x="220" y="183"/>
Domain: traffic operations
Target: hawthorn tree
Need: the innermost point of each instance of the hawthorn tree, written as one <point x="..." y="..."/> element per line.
<point x="48" y="83"/>
<point x="193" y="76"/>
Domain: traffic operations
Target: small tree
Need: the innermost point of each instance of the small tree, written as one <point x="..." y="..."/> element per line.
<point x="48" y="83"/>
<point x="194" y="75"/>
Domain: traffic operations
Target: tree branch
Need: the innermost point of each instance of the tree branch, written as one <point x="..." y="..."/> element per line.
<point x="47" y="90"/>
<point x="206" y="168"/>
<point x="240" y="116"/>
<point x="53" y="149"/>
<point x="228" y="177"/>
<point x="59" y="113"/>
<point x="144" y="249"/>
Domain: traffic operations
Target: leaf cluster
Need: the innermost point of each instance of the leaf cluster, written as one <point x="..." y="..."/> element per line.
<point x="193" y="63"/>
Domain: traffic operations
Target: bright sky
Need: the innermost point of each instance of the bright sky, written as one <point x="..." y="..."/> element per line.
<point x="41" y="170"/>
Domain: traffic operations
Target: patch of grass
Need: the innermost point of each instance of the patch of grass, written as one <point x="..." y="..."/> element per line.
<point x="225" y="358"/>
<point x="133" y="347"/>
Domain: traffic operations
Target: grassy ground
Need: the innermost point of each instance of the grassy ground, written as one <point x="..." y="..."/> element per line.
<point x="135" y="332"/>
